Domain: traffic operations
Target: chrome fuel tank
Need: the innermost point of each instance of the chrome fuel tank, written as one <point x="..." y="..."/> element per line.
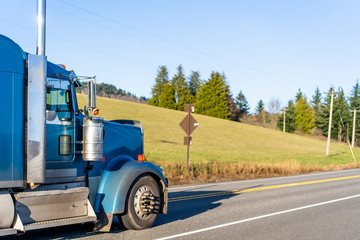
<point x="93" y="139"/>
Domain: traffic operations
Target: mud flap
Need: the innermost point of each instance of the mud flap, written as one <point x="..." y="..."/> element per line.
<point x="165" y="203"/>
<point x="103" y="223"/>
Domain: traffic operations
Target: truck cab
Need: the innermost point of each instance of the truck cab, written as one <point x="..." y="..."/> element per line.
<point x="63" y="165"/>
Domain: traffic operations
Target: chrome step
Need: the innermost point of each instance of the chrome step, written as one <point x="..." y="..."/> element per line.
<point x="59" y="222"/>
<point x="48" y="205"/>
<point x="9" y="231"/>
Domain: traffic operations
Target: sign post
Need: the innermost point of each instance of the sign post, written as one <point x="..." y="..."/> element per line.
<point x="188" y="124"/>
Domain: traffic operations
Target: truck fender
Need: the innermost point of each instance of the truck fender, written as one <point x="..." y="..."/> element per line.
<point x="116" y="180"/>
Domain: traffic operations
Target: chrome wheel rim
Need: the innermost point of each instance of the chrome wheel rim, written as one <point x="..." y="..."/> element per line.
<point x="144" y="202"/>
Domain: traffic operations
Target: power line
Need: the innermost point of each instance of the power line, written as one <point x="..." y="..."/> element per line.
<point x="112" y="30"/>
<point x="244" y="67"/>
<point x="171" y="42"/>
<point x="83" y="46"/>
<point x="137" y="29"/>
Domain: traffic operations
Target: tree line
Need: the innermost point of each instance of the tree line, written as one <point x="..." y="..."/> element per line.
<point x="111" y="91"/>
<point x="212" y="97"/>
<point x="312" y="116"/>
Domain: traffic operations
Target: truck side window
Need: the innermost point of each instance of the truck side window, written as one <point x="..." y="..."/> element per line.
<point x="58" y="100"/>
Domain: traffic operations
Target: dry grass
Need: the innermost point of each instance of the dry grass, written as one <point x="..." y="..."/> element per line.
<point x="227" y="171"/>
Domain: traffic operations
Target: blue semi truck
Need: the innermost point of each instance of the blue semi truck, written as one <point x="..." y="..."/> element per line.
<point x="59" y="163"/>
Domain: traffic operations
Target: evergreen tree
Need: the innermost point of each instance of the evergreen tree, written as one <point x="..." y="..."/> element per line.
<point x="322" y="122"/>
<point x="354" y="101"/>
<point x="304" y="115"/>
<point x="167" y="97"/>
<point x="234" y="111"/>
<point x="341" y="117"/>
<point x="212" y="99"/>
<point x="242" y="104"/>
<point x="316" y="104"/>
<point x="106" y="88"/>
<point x="162" y="78"/>
<point x="260" y="107"/>
<point x="354" y="98"/>
<point x="298" y="95"/>
<point x="261" y="113"/>
<point x="194" y="83"/>
<point x="316" y="100"/>
<point x="289" y="118"/>
<point x="182" y="89"/>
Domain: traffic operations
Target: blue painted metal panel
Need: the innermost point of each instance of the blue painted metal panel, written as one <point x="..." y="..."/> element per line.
<point x="53" y="132"/>
<point x="120" y="139"/>
<point x="55" y="71"/>
<point x="12" y="122"/>
<point x="117" y="179"/>
<point x="12" y="57"/>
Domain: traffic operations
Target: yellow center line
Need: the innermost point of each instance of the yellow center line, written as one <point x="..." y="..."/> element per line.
<point x="177" y="199"/>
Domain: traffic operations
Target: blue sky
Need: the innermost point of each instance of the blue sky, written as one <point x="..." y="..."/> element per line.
<point x="266" y="48"/>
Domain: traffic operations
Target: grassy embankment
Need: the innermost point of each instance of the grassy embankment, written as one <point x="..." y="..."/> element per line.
<point x="225" y="150"/>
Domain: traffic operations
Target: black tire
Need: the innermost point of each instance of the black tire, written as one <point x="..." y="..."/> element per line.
<point x="143" y="195"/>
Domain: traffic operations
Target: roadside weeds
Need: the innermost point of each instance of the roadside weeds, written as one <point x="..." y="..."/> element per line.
<point x="227" y="171"/>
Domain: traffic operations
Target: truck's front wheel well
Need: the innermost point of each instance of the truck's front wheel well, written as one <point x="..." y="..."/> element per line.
<point x="159" y="182"/>
<point x="162" y="188"/>
<point x="163" y="192"/>
<point x="143" y="203"/>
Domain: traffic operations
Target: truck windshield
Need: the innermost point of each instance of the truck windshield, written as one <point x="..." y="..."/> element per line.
<point x="58" y="100"/>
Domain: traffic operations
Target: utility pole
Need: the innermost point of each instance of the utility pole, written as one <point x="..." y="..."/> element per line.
<point x="353" y="133"/>
<point x="332" y="94"/>
<point x="284" y="119"/>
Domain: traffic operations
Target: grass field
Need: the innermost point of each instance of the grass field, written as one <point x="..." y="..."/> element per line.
<point x="222" y="144"/>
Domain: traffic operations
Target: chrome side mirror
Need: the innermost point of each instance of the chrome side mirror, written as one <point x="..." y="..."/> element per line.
<point x="92" y="93"/>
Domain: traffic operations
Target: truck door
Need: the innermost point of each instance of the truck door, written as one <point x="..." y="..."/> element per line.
<point x="60" y="139"/>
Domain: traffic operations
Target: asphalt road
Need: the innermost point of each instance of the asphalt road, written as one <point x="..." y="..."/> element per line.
<point x="312" y="206"/>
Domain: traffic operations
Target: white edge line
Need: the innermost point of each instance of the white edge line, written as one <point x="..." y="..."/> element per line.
<point x="258" y="217"/>
<point x="174" y="189"/>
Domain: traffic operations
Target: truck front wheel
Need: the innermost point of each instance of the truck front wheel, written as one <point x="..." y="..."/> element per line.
<point x="142" y="204"/>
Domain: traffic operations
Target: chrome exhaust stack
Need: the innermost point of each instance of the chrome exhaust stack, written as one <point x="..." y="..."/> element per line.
<point x="41" y="27"/>
<point x="36" y="99"/>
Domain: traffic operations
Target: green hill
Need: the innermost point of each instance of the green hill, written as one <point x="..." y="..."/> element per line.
<point x="217" y="140"/>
